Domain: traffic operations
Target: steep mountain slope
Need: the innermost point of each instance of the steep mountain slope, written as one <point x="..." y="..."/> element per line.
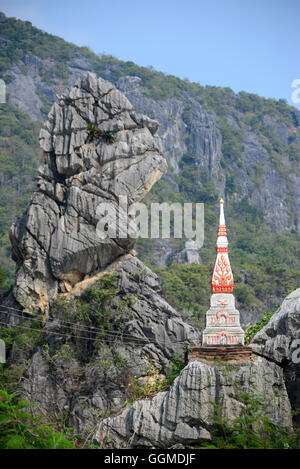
<point x="107" y="337"/>
<point x="241" y="146"/>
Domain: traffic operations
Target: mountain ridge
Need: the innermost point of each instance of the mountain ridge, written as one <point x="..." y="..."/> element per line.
<point x="241" y="146"/>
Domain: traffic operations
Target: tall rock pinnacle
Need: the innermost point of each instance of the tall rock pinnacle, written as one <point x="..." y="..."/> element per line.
<point x="96" y="149"/>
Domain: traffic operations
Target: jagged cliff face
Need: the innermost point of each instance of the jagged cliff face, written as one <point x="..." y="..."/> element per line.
<point x="186" y="127"/>
<point x="89" y="379"/>
<point x="96" y="148"/>
<point x="216" y="142"/>
<point x="199" y="134"/>
<point x="56" y="243"/>
<point x="205" y="141"/>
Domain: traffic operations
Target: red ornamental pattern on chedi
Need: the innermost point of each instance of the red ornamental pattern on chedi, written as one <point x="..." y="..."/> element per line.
<point x="222" y="280"/>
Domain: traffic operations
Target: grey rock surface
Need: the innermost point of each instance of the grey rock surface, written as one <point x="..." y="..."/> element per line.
<point x="279" y="341"/>
<point x="274" y="341"/>
<point x="183" y="414"/>
<point x="189" y="255"/>
<point x="154" y="319"/>
<point x="56" y="244"/>
<point x="187" y="128"/>
<point x="152" y="333"/>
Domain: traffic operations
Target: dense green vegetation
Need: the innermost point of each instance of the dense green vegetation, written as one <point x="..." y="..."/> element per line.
<point x="186" y="288"/>
<point x="252" y="330"/>
<point x="19" y="429"/>
<point x="265" y="264"/>
<point x="55" y="52"/>
<point x="25" y="39"/>
<point x="19" y="160"/>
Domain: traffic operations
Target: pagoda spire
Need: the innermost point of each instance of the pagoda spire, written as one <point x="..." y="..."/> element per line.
<point x="222" y="319"/>
<point x="222" y="278"/>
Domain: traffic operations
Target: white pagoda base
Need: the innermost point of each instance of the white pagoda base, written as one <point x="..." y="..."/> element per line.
<point x="222" y="322"/>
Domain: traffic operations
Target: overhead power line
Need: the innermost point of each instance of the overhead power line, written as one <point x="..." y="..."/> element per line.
<point x="79" y="326"/>
<point x="107" y="335"/>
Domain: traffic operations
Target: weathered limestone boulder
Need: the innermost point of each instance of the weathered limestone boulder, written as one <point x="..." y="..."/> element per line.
<point x="96" y="149"/>
<point x="279" y="341"/>
<point x="183" y="414"/>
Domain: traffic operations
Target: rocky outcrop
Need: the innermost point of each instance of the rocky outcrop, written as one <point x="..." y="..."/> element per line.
<point x="184" y="413"/>
<point x="189" y="255"/>
<point x="185" y="127"/>
<point x="279" y="341"/>
<point x="275" y="340"/>
<point x="190" y="124"/>
<point x="96" y="150"/>
<point x="145" y="336"/>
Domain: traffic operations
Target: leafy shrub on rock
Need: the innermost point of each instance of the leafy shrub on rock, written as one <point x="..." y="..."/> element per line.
<point x="21" y="430"/>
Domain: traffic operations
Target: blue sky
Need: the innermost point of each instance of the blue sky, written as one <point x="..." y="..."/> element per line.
<point x="250" y="45"/>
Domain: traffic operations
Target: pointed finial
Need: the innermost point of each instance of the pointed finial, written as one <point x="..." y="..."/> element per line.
<point x="222" y="218"/>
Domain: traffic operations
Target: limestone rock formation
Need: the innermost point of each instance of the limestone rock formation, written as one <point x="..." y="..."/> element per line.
<point x="183" y="414"/>
<point x="152" y="333"/>
<point x="185" y="125"/>
<point x="96" y="149"/>
<point x="279" y="341"/>
<point x="190" y="254"/>
<point x="274" y="341"/>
